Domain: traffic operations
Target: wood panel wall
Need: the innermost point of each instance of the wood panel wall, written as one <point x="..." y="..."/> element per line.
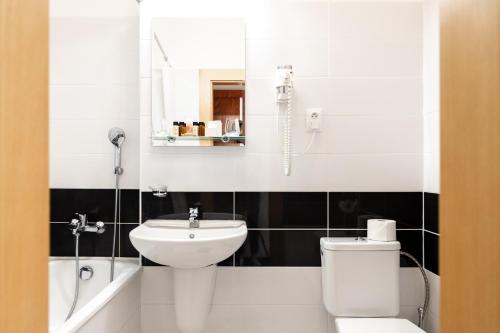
<point x="24" y="202"/>
<point x="470" y="166"/>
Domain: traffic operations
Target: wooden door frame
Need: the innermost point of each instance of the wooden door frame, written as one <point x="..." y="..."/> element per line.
<point x="470" y="166"/>
<point x="24" y="193"/>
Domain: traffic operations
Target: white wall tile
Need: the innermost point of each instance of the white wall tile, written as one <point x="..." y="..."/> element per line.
<point x="411" y="288"/>
<point x="244" y="286"/>
<point x="431" y="132"/>
<point x="189" y="171"/>
<point x="269" y="286"/>
<point x="374" y="134"/>
<point x="309" y="57"/>
<point x="115" y="101"/>
<point x="133" y="324"/>
<point x="375" y="96"/>
<point x="93" y="8"/>
<point x="91" y="171"/>
<point x="90" y="136"/>
<point x="289" y="20"/>
<point x="243" y="319"/>
<point x="246" y="297"/>
<point x="157" y="285"/>
<point x="349" y="153"/>
<point x="376" y="39"/>
<point x="145" y="58"/>
<point x="377" y="171"/>
<point x="93" y="50"/>
<point x="145" y="97"/>
<point x="94" y="86"/>
<point x="431" y="98"/>
<point x="435" y="289"/>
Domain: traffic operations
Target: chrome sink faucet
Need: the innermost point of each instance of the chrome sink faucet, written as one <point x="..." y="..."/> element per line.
<point x="193" y="218"/>
<point x="80" y="224"/>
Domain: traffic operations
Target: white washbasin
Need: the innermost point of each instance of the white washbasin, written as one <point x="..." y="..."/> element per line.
<point x="173" y="243"/>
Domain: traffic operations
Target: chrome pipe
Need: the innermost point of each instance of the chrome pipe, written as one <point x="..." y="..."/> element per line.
<point x="77" y="275"/>
<point x="116" y="136"/>
<point x="422" y="311"/>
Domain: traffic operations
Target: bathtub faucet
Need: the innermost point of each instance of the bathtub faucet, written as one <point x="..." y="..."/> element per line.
<point x="80" y="224"/>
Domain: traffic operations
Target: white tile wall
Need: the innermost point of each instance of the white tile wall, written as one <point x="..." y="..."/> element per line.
<point x="361" y="62"/>
<point x="431" y="125"/>
<point x="266" y="299"/>
<point x="432" y="321"/>
<point x="431" y="95"/>
<point x="94" y="69"/>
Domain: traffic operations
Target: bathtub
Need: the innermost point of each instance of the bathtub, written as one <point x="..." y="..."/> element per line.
<point x="98" y="299"/>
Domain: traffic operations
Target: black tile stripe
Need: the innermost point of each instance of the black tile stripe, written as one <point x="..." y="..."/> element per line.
<point x="431" y="212"/>
<point x="280" y="248"/>
<point x="62" y="242"/>
<point x="431" y="246"/>
<point x="282" y="209"/>
<point x="98" y="204"/>
<point x="212" y="205"/>
<point x="411" y="242"/>
<point x="351" y="210"/>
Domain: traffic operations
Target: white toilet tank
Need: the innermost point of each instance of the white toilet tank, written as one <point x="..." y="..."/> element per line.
<point x="360" y="277"/>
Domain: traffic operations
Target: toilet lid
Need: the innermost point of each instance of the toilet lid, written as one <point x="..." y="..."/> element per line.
<point x="376" y="325"/>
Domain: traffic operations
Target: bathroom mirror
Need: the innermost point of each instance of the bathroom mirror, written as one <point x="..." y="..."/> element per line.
<point x="198" y="82"/>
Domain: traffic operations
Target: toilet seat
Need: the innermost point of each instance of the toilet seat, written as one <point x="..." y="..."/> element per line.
<point x="376" y="325"/>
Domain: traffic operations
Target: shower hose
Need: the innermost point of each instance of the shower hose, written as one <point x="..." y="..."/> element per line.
<point x="77" y="280"/>
<point x="422" y="311"/>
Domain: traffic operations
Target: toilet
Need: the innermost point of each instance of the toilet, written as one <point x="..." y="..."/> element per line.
<point x="360" y="281"/>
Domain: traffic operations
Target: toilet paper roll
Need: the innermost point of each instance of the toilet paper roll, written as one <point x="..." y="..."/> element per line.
<point x="382" y="230"/>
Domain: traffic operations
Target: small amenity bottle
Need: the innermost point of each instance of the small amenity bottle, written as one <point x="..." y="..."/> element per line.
<point x="175" y="129"/>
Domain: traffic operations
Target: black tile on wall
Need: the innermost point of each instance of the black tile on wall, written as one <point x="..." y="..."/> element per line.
<point x="282" y="209"/>
<point x="126" y="247"/>
<point x="411" y="242"/>
<point x="280" y="248"/>
<point x="62" y="242"/>
<point x="212" y="205"/>
<point x="431" y="212"/>
<point x="351" y="210"/>
<point x="431" y="252"/>
<point x="98" y="204"/>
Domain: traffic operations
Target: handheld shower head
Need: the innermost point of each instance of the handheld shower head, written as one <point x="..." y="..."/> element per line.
<point x="116" y="135"/>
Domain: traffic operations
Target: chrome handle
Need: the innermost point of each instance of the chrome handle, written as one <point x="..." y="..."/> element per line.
<point x="100" y="227"/>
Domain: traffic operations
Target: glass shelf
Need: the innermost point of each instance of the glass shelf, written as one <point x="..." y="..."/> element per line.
<point x="224" y="138"/>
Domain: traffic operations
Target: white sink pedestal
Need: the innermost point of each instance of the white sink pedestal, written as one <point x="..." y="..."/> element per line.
<point x="193" y="254"/>
<point x="193" y="292"/>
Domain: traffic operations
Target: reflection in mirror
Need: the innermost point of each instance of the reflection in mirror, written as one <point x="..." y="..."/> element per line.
<point x="198" y="82"/>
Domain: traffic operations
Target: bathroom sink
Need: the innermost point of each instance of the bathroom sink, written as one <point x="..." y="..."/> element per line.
<point x="173" y="243"/>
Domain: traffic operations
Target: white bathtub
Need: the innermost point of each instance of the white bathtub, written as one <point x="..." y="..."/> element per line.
<point x="95" y="294"/>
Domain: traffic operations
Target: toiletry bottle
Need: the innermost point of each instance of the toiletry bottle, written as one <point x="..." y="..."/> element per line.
<point x="182" y="128"/>
<point x="201" y="128"/>
<point x="195" y="128"/>
<point x="175" y="129"/>
<point x="189" y="128"/>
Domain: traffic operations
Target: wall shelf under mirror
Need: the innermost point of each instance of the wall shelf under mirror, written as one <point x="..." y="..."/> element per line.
<point x="198" y="140"/>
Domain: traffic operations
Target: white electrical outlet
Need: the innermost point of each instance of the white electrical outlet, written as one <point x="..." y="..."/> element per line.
<point x="313" y="119"/>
